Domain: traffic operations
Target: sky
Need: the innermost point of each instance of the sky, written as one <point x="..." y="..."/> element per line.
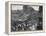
<point x="20" y="7"/>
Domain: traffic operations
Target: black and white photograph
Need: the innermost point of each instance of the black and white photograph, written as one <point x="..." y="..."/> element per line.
<point x="26" y="17"/>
